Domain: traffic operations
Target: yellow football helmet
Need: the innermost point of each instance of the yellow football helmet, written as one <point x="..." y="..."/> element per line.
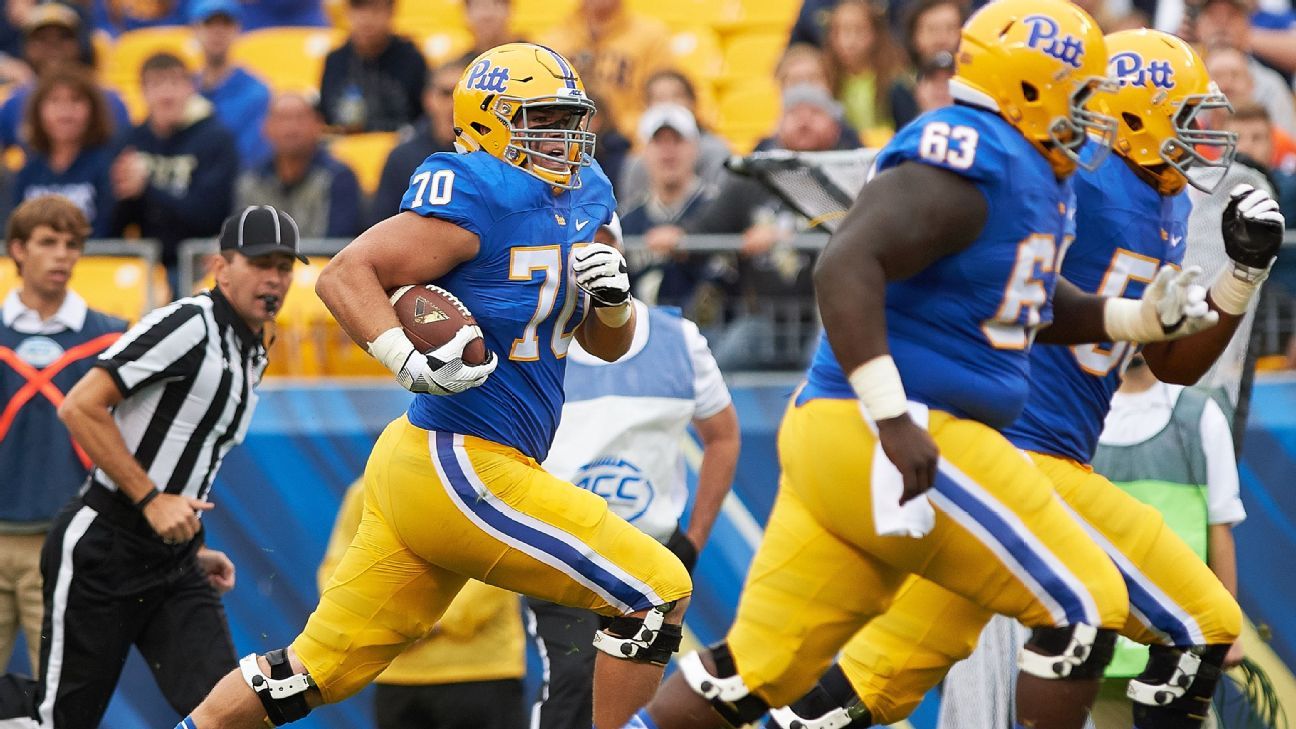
<point x="1039" y="63"/>
<point x="497" y="93"/>
<point x="1163" y="86"/>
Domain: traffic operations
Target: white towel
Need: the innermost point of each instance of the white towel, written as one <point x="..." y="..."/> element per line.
<point x="916" y="517"/>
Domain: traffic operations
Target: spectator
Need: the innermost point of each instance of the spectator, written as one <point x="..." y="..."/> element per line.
<point x="373" y="83"/>
<point x="489" y="22"/>
<point x="931" y="90"/>
<point x="864" y="64"/>
<point x="466" y="673"/>
<point x="1260" y="140"/>
<point x="119" y="16"/>
<point x="432" y="133"/>
<point x="280" y="13"/>
<point x="51" y="40"/>
<point x="811" y="26"/>
<point x="70" y="130"/>
<point x="239" y="97"/>
<point x="772" y="325"/>
<point x="301" y="178"/>
<point x="613" y="147"/>
<point x="932" y="27"/>
<point x="672" y="196"/>
<point x="669" y="86"/>
<point x="1227" y="23"/>
<point x="46" y="330"/>
<point x="615" y="51"/>
<point x="1229" y="69"/>
<point x="802" y="64"/>
<point x="175" y="178"/>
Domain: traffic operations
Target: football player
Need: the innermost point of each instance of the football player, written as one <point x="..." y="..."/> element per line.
<point x="453" y="488"/>
<point x="1132" y="215"/>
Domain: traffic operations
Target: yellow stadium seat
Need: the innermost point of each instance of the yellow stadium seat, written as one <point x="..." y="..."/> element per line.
<point x="696" y="52"/>
<point x="679" y="13"/>
<point x="752" y="55"/>
<point x="416" y="18"/>
<point x="365" y="154"/>
<point x="445" y="45"/>
<point x="532" y="18"/>
<point x="113" y="285"/>
<point x="769" y="15"/>
<point x="748" y="112"/>
<point x="122" y="66"/>
<point x="287" y="59"/>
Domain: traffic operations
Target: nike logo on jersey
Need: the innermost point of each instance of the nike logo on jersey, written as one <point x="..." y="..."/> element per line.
<point x="580" y="225"/>
<point x="1175" y="240"/>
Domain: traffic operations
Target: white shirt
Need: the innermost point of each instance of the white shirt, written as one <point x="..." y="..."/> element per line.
<point x="1136" y="417"/>
<point x="26" y="320"/>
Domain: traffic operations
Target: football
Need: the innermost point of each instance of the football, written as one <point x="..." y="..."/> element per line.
<point x="431" y="315"/>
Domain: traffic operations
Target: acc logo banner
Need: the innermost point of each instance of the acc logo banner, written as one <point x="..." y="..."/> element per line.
<point x="485" y="78"/>
<point x="1130" y="69"/>
<point x="1045" y="36"/>
<point x="628" y="491"/>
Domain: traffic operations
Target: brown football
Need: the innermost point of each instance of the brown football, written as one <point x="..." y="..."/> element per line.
<point x="431" y="315"/>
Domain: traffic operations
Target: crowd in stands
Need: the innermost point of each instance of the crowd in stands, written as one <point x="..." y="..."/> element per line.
<point x="165" y="142"/>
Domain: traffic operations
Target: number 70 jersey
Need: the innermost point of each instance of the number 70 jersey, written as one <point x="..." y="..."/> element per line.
<point x="960" y="330"/>
<point x="519" y="287"/>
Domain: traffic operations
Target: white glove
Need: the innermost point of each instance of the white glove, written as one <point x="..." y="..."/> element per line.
<point x="439" y="372"/>
<point x="600" y="271"/>
<point x="1173" y="306"/>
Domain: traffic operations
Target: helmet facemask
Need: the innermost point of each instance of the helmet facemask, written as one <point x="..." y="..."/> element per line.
<point x="1069" y="134"/>
<point x="1181" y="152"/>
<point x="571" y="130"/>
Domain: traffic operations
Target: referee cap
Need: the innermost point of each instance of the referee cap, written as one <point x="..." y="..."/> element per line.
<point x="260" y="230"/>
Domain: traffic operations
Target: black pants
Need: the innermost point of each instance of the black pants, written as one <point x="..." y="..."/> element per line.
<point x="111" y="583"/>
<point x="466" y="705"/>
<point x="565" y="637"/>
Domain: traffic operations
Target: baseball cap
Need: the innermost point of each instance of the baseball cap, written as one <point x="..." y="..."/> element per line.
<point x="47" y="14"/>
<point x="259" y="231"/>
<point x="813" y="95"/>
<point x="667" y="116"/>
<point x="203" y="10"/>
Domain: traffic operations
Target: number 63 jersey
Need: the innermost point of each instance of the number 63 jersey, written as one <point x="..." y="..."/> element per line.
<point x="960" y="329"/>
<point x="519" y="287"/>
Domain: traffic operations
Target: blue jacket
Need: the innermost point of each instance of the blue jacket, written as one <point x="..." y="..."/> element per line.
<point x="85" y="183"/>
<point x="241" y="102"/>
<point x="275" y="13"/>
<point x="401" y="163"/>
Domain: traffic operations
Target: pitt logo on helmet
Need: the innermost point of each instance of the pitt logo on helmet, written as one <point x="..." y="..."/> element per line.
<point x="1129" y="68"/>
<point x="485" y="78"/>
<point x="1045" y="36"/>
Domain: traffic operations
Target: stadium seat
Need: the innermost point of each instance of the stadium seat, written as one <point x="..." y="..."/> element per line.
<point x="445" y="45"/>
<point x="748" y="112"/>
<point x="748" y="15"/>
<point x="365" y="154"/>
<point x="122" y="66"/>
<point x="748" y="56"/>
<point x="679" y="13"/>
<point x="287" y="59"/>
<point x="416" y="18"/>
<point x="112" y="284"/>
<point x="696" y="52"/>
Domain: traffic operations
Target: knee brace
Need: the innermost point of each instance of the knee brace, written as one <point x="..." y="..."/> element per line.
<point x="831" y="704"/>
<point x="282" y="693"/>
<point x="729" y="696"/>
<point x="1070" y="653"/>
<point x="649" y="639"/>
<point x="1176" y="687"/>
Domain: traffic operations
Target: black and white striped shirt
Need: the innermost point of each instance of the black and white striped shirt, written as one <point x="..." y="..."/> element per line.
<point x="187" y="373"/>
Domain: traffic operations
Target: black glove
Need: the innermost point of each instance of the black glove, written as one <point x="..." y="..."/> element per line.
<point x="684" y="548"/>
<point x="1252" y="227"/>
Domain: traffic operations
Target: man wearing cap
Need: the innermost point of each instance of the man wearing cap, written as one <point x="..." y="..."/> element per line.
<point x="241" y="100"/>
<point x="51" y="38"/>
<point x="125" y="561"/>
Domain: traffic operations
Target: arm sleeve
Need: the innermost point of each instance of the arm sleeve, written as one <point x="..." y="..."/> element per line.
<point x="331" y="85"/>
<point x="344" y="205"/>
<point x="1223" y="500"/>
<point x="167" y="344"/>
<point x="446" y="186"/>
<point x="710" y="395"/>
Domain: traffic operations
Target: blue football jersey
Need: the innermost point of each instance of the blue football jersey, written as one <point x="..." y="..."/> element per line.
<point x="960" y="330"/>
<point x="1125" y="232"/>
<point x="519" y="287"/>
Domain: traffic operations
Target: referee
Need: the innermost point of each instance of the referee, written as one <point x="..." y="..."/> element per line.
<point x="125" y="562"/>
